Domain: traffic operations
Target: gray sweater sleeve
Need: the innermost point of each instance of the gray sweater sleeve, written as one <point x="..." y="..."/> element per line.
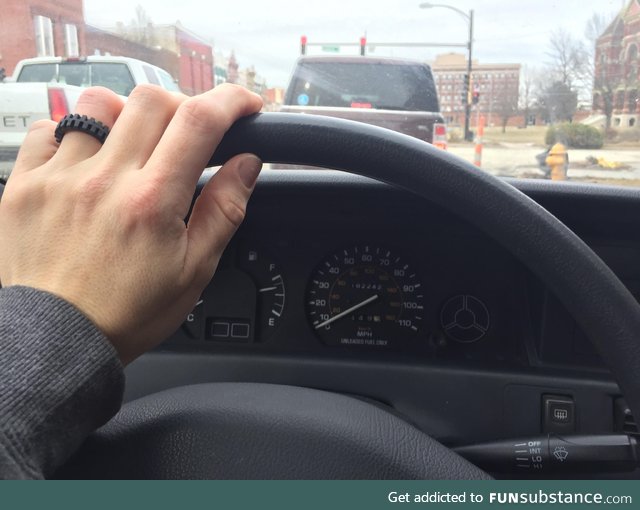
<point x="60" y="379"/>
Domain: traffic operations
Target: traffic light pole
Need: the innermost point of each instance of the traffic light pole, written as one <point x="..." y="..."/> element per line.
<point x="467" y="105"/>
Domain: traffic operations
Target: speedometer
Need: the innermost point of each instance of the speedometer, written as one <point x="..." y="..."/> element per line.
<point x="365" y="296"/>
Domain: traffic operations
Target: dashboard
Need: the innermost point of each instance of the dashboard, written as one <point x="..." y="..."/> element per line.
<point x="367" y="277"/>
<point x="345" y="284"/>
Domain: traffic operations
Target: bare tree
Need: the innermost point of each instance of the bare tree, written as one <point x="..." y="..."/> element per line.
<point x="529" y="87"/>
<point x="568" y="58"/>
<point x="569" y="76"/>
<point x="140" y="25"/>
<point x="596" y="25"/>
<point x="506" y="103"/>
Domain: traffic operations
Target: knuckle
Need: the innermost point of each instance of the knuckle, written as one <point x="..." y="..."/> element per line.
<point x="147" y="93"/>
<point x="231" y="207"/>
<point x="233" y="87"/>
<point x="141" y="206"/>
<point x="203" y="115"/>
<point x="93" y="95"/>
<point x="17" y="194"/>
<point x="92" y="188"/>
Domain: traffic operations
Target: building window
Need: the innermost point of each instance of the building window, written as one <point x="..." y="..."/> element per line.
<point x="632" y="100"/>
<point x="71" y="47"/>
<point x="44" y="36"/>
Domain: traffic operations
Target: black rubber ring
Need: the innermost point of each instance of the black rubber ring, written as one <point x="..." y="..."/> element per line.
<point x="82" y="123"/>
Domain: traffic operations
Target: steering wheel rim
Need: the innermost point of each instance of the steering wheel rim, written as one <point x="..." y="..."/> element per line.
<point x="590" y="291"/>
<point x="602" y="306"/>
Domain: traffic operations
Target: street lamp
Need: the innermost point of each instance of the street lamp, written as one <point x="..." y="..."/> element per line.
<point x="469" y="18"/>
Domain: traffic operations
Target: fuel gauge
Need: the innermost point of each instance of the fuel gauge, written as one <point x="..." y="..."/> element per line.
<point x="270" y="290"/>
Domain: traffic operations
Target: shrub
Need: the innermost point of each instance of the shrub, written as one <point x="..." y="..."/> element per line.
<point x="576" y="136"/>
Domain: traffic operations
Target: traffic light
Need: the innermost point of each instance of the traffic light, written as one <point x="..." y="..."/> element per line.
<point x="363" y="45"/>
<point x="476" y="96"/>
<point x="465" y="89"/>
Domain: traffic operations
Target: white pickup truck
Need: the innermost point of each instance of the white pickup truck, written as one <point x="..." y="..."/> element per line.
<point x="48" y="88"/>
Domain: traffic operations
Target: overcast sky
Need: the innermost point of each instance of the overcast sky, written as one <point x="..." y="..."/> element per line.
<point x="266" y="33"/>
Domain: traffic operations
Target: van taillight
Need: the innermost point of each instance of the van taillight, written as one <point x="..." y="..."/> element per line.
<point x="58" y="106"/>
<point x="440" y="136"/>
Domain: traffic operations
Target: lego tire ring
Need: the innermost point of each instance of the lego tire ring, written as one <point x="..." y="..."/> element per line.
<point x="82" y="123"/>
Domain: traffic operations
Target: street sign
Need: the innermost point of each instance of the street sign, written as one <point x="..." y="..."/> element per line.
<point x="331" y="49"/>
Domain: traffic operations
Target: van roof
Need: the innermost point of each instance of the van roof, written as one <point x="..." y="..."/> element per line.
<point x="354" y="59"/>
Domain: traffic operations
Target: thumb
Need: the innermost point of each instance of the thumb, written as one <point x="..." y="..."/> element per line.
<point x="219" y="211"/>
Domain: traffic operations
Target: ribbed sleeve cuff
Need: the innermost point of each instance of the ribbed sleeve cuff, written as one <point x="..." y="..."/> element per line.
<point x="60" y="379"/>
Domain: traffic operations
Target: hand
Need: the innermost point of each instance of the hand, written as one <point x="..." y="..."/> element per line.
<point x="103" y="226"/>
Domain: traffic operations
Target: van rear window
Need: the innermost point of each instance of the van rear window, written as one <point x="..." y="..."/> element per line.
<point x="363" y="85"/>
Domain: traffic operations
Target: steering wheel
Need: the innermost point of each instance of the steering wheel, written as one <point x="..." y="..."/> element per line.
<point x="268" y="431"/>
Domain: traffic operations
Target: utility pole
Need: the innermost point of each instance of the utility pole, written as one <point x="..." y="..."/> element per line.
<point x="467" y="106"/>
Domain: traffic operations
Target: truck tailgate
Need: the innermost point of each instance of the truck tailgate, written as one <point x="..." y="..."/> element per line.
<point x="416" y="124"/>
<point x="21" y="104"/>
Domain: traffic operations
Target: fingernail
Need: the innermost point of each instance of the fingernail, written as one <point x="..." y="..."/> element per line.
<point x="249" y="169"/>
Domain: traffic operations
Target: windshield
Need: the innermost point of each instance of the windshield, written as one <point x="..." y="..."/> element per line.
<point x="530" y="89"/>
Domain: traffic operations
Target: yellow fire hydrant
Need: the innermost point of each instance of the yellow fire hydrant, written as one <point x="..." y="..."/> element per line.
<point x="558" y="160"/>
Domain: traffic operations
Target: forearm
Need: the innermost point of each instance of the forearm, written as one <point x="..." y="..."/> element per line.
<point x="60" y="379"/>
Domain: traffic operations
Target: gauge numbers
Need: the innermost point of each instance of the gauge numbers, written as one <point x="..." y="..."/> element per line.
<point x="365" y="296"/>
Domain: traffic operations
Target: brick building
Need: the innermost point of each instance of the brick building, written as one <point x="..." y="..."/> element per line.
<point x="101" y="42"/>
<point x="616" y="91"/>
<point x="40" y="28"/>
<point x="498" y="86"/>
<point x="194" y="55"/>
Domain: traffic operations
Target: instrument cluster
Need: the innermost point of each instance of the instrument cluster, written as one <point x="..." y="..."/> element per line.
<point x="335" y="295"/>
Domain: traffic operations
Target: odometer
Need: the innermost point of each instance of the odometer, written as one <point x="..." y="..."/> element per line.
<point x="365" y="296"/>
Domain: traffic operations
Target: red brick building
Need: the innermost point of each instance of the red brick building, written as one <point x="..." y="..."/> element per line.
<point x="39" y="28"/>
<point x="33" y="28"/>
<point x="101" y="42"/>
<point x="498" y="86"/>
<point x="616" y="91"/>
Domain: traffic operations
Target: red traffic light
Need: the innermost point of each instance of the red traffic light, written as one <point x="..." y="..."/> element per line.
<point x="363" y="44"/>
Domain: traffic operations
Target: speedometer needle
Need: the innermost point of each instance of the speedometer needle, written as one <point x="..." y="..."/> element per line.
<point x="347" y="311"/>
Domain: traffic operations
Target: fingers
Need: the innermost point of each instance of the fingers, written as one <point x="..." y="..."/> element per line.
<point x="38" y="147"/>
<point x="219" y="211"/>
<point x="193" y="134"/>
<point x="100" y="103"/>
<point x="141" y="123"/>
